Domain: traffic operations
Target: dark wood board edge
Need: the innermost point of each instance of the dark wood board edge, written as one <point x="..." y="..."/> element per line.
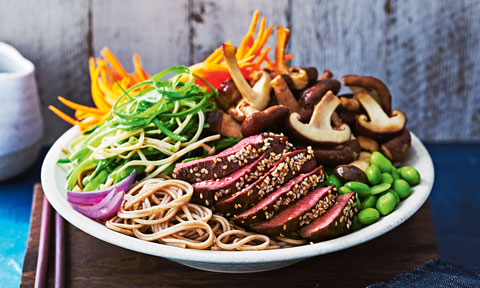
<point x="94" y="263"/>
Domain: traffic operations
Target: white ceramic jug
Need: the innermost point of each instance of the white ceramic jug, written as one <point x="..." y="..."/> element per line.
<point x="21" y="125"/>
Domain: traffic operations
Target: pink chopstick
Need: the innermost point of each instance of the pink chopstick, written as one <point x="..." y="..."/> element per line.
<point x="42" y="261"/>
<point x="59" y="251"/>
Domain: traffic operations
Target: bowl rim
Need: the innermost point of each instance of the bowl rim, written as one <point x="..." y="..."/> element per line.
<point x="405" y="210"/>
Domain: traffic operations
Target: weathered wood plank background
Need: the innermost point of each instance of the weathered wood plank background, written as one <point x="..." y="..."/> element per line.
<point x="428" y="52"/>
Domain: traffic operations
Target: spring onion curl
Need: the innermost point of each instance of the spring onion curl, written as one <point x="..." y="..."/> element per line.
<point x="148" y="133"/>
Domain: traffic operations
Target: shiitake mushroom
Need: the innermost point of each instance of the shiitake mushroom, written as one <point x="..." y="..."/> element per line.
<point x="347" y="173"/>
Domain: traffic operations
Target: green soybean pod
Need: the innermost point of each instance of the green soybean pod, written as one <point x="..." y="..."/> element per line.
<point x="356" y="223"/>
<point x="333" y="180"/>
<point x="344" y="190"/>
<point x="386" y="203"/>
<point x="387" y="178"/>
<point x="395" y="174"/>
<point x="380" y="188"/>
<point x="374" y="175"/>
<point x="381" y="161"/>
<point x="368" y="216"/>
<point x="402" y="188"/>
<point x="362" y="189"/>
<point x="410" y="175"/>
<point x="369" y="202"/>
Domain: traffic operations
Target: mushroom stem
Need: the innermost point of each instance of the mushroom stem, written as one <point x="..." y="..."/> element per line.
<point x="257" y="96"/>
<point x="299" y="76"/>
<point x="283" y="33"/>
<point x="284" y="95"/>
<point x="380" y="122"/>
<point x="321" y="118"/>
<point x="319" y="130"/>
<point x="374" y="86"/>
<point x="327" y="74"/>
<point x="374" y="111"/>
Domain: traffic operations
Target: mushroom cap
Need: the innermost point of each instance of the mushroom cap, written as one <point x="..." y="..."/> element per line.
<point x="228" y="94"/>
<point x="337" y="155"/>
<point x="224" y="124"/>
<point x="363" y="161"/>
<point x="397" y="148"/>
<point x="319" y="130"/>
<point x="370" y="83"/>
<point x="313" y="94"/>
<point x="266" y="120"/>
<point x="347" y="173"/>
<point x="378" y="124"/>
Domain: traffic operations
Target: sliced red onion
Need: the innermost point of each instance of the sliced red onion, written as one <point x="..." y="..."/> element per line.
<point x="104" y="209"/>
<point x="94" y="197"/>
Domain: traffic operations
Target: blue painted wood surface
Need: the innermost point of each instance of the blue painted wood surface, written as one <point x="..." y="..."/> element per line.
<point x="455" y="200"/>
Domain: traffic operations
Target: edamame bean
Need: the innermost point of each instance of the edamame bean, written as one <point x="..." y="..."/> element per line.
<point x="374" y="175"/>
<point x="362" y="189"/>
<point x="380" y="188"/>
<point x="386" y="203"/>
<point x="394" y="193"/>
<point x="410" y="175"/>
<point x="387" y="178"/>
<point x="381" y="161"/>
<point x="395" y="174"/>
<point x="368" y="216"/>
<point x="358" y="203"/>
<point x="344" y="190"/>
<point x="402" y="188"/>
<point x="369" y="202"/>
<point x="333" y="180"/>
<point x="356" y="224"/>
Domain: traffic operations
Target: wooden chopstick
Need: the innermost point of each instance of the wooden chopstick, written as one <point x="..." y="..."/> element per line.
<point x="42" y="261"/>
<point x="59" y="251"/>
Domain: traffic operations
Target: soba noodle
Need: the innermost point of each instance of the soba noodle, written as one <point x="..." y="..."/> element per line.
<point x="160" y="210"/>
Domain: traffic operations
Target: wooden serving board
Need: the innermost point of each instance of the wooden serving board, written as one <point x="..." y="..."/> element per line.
<point x="94" y="263"/>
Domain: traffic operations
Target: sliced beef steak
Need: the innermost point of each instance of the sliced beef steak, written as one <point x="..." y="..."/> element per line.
<point x="228" y="161"/>
<point x="281" y="198"/>
<point x="337" y="221"/>
<point x="300" y="213"/>
<point x="209" y="191"/>
<point x="291" y="164"/>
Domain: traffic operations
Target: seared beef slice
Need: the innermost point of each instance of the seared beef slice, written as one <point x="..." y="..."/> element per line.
<point x="300" y="213"/>
<point x="281" y="198"/>
<point x="228" y="161"/>
<point x="336" y="222"/>
<point x="288" y="167"/>
<point x="209" y="191"/>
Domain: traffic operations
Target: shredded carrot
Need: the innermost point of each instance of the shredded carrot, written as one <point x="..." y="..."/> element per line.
<point x="250" y="56"/>
<point x="78" y="107"/>
<point x="103" y="74"/>
<point x="112" y="60"/>
<point x="248" y="40"/>
<point x="107" y="73"/>
<point x="141" y="74"/>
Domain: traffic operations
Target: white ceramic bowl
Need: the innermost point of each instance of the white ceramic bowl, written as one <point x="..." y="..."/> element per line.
<point x="21" y="125"/>
<point x="53" y="181"/>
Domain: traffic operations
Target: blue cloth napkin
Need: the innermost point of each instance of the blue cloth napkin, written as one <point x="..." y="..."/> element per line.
<point x="436" y="273"/>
